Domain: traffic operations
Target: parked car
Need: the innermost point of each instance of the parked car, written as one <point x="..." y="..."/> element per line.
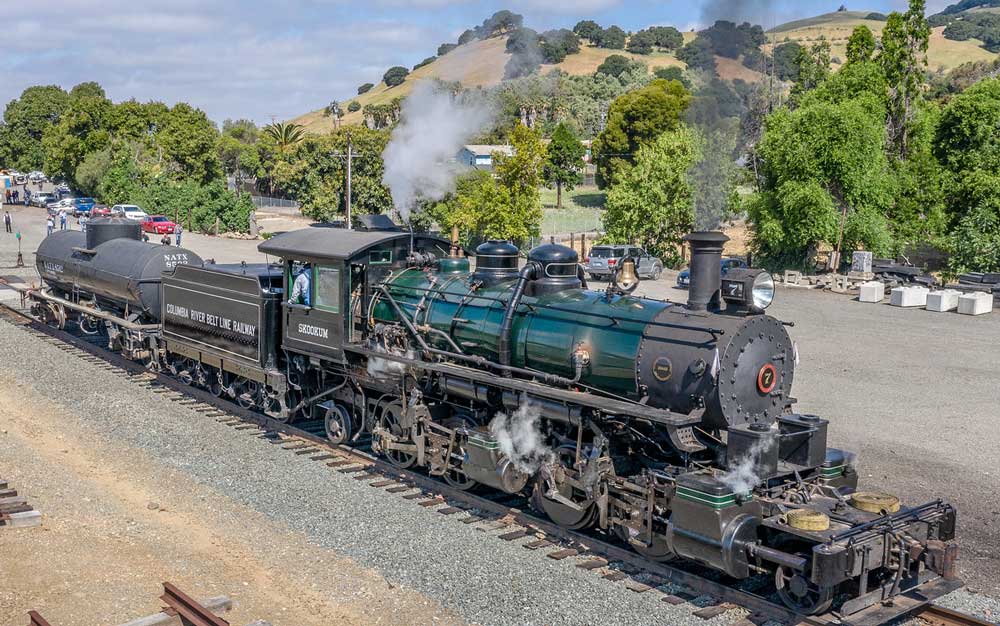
<point x="728" y="263"/>
<point x="19" y="178"/>
<point x="100" y="210"/>
<point x="82" y="206"/>
<point x="63" y="189"/>
<point x="129" y="211"/>
<point x="65" y="204"/>
<point x="603" y="261"/>
<point x="37" y="176"/>
<point x="158" y="225"/>
<point x="42" y="199"/>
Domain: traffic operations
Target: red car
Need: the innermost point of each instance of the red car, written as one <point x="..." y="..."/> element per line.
<point x="158" y="225"/>
<point x="100" y="211"/>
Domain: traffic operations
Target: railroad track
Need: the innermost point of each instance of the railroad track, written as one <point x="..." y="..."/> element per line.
<point x="707" y="596"/>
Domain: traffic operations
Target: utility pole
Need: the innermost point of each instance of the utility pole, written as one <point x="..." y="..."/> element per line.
<point x="350" y="155"/>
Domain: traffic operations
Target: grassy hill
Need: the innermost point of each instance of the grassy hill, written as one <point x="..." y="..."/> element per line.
<point x="942" y="55"/>
<point x="481" y="63"/>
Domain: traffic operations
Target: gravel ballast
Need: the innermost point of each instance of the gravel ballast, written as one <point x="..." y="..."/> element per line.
<point x="484" y="579"/>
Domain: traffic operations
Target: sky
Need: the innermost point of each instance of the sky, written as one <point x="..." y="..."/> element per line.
<point x="265" y="59"/>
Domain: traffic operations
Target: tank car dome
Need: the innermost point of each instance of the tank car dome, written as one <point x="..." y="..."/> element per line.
<point x="108" y="228"/>
<point x="496" y="260"/>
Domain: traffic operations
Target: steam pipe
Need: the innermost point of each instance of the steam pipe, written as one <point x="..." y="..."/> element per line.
<point x="528" y="272"/>
<point x="706" y="269"/>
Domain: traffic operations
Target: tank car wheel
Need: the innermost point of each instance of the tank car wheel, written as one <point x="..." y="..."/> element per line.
<point x="338" y="424"/>
<point x="561" y="514"/>
<point x="799" y="594"/>
<point x="392" y="414"/>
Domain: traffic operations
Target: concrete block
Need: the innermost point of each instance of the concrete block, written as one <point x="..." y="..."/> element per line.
<point x="792" y="277"/>
<point x="24" y="520"/>
<point x="909" y="296"/>
<point x="861" y="261"/>
<point x="941" y="301"/>
<point x="872" y="291"/>
<point x="975" y="303"/>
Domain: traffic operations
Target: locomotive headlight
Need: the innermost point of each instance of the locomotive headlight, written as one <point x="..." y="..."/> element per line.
<point x="753" y="289"/>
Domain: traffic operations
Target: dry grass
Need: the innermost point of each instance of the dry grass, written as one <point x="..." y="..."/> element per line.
<point x="943" y="54"/>
<point x="733" y="69"/>
<point x="481" y="63"/>
<point x="589" y="59"/>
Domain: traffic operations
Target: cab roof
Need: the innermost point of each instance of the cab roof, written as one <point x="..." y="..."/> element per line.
<point x="335" y="243"/>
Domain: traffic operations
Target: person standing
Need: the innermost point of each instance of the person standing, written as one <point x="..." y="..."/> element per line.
<point x="16" y="194"/>
<point x="7" y="221"/>
<point x="62" y="219"/>
<point x="50" y="224"/>
<point x="177" y="235"/>
<point x="8" y="196"/>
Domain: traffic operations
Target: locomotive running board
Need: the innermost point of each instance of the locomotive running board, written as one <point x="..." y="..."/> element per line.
<point x="608" y="405"/>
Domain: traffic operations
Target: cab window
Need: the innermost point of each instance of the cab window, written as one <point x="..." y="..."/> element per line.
<point x="327" y="288"/>
<point x="303" y="295"/>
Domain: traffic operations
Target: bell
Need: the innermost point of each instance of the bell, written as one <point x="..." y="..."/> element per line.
<point x="627" y="278"/>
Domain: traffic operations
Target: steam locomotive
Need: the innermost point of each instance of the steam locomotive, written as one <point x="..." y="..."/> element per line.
<point x="668" y="426"/>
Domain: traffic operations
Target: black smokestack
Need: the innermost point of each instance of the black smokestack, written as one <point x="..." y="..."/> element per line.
<point x="706" y="269"/>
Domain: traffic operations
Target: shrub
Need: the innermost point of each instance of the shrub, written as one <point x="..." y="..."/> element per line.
<point x="395" y="76"/>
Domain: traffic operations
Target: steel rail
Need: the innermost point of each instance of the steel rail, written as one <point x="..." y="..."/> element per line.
<point x="585" y="542"/>
<point x="191" y="612"/>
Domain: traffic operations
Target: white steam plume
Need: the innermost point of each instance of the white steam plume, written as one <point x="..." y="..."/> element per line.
<point x="521" y="440"/>
<point x="743" y="477"/>
<point x="420" y="158"/>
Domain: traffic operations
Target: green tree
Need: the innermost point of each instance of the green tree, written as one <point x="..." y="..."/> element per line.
<point x="641" y="42"/>
<point x="589" y="29"/>
<point x="353" y="106"/>
<point x="634" y="119"/>
<point x="614" y="65"/>
<point x="673" y="73"/>
<point x="824" y="167"/>
<point x="285" y="134"/>
<point x="445" y="48"/>
<point x="92" y="170"/>
<point x="784" y="58"/>
<point x="564" y="162"/>
<point x="860" y="45"/>
<point x="652" y="202"/>
<point x="504" y="206"/>
<point x="395" y="76"/>
<point x="698" y="55"/>
<point x="613" y="38"/>
<point x="363" y="89"/>
<point x="82" y="128"/>
<point x="813" y="67"/>
<point x="89" y="89"/>
<point x="667" y="37"/>
<point x="905" y="39"/>
<point x="467" y="37"/>
<point x="25" y="121"/>
<point x="313" y="172"/>
<point x="189" y="139"/>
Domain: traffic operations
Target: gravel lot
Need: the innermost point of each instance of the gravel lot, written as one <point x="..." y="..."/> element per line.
<point x="913" y="392"/>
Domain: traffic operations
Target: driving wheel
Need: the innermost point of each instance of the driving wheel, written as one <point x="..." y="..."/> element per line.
<point x="390" y="420"/>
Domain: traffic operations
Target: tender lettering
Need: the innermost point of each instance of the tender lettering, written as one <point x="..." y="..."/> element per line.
<point x="211" y="319"/>
<point x="314" y="331"/>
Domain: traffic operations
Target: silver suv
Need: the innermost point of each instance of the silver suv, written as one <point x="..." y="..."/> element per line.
<point x="603" y="261"/>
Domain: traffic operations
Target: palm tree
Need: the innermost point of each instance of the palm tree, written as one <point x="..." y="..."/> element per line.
<point x="335" y="111"/>
<point x="285" y="134"/>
